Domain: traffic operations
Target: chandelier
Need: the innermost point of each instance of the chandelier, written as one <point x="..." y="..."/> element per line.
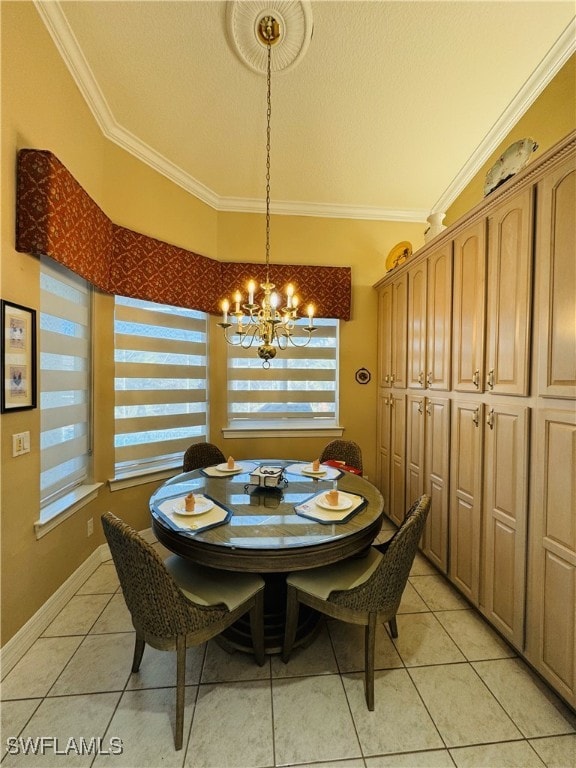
<point x="266" y="324"/>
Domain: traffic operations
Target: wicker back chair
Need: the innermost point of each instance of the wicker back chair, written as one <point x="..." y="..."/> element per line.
<point x="360" y="590"/>
<point x="175" y="604"/>
<point x="200" y="455"/>
<point x="343" y="450"/>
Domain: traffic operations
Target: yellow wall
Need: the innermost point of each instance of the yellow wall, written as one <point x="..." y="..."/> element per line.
<point x="551" y="117"/>
<point x="42" y="108"/>
<point x="363" y="245"/>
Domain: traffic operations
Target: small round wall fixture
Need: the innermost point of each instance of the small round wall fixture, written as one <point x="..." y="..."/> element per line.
<point x="293" y="32"/>
<point x="363" y="376"/>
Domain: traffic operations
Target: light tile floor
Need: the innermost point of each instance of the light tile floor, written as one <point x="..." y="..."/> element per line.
<point x="449" y="692"/>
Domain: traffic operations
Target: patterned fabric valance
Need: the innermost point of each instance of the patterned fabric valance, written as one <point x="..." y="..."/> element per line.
<point x="57" y="218"/>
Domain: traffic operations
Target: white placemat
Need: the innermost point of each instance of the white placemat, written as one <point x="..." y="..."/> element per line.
<point x="214" y="516"/>
<point x="314" y="511"/>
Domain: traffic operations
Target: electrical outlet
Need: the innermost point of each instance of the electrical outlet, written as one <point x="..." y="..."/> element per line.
<point x="90" y="526"/>
<point x="20" y="443"/>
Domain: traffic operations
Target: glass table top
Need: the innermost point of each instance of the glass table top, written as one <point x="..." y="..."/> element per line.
<point x="265" y="518"/>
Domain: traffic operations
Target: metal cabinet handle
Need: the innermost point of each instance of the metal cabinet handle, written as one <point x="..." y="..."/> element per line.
<point x="475" y="416"/>
<point x="420" y="407"/>
<point x="429" y="409"/>
<point x="391" y="378"/>
<point x="429" y="379"/>
<point x="476" y="378"/>
<point x="490" y="379"/>
<point x="490" y="418"/>
<point x="421" y="378"/>
<point x="386" y="379"/>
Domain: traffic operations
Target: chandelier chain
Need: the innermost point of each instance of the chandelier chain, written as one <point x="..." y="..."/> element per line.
<point x="267" y="323"/>
<point x="268" y="119"/>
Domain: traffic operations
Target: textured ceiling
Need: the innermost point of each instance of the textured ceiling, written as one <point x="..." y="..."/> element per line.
<point x="390" y="111"/>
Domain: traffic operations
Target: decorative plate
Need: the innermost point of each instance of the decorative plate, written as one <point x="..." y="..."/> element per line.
<point x="308" y="470"/>
<point x="509" y="163"/>
<point x="202" y="505"/>
<point x="225" y="468"/>
<point x="398" y="254"/>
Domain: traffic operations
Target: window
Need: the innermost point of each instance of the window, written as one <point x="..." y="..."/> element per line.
<point x="65" y="387"/>
<point x="299" y="389"/>
<point x="160" y="383"/>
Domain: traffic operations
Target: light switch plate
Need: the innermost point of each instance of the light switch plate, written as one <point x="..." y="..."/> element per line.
<point x="20" y="443"/>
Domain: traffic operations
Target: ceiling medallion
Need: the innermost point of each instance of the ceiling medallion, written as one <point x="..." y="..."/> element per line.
<point x="294" y="20"/>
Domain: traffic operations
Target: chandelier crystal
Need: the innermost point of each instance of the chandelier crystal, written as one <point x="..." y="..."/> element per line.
<point x="266" y="324"/>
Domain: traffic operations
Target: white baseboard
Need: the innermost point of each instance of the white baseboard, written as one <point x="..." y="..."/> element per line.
<point x="16" y="647"/>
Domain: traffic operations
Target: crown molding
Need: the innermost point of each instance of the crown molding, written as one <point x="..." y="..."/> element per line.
<point x="51" y="13"/>
<point x="69" y="48"/>
<point x="550" y="65"/>
<point x="321" y="210"/>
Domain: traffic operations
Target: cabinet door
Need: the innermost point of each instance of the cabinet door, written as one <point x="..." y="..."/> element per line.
<point x="384" y="450"/>
<point x="397" y="457"/>
<point x="439" y="322"/>
<point x="466" y="497"/>
<point x="399" y="330"/>
<point x="551" y="632"/>
<point x="469" y="308"/>
<point x="556" y="246"/>
<point x="417" y="294"/>
<point x="436" y="476"/>
<point x="385" y="335"/>
<point x="509" y="296"/>
<point x="414" y="448"/>
<point x="505" y="519"/>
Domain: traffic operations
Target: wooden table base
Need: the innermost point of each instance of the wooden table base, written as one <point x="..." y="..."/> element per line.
<point x="238" y="636"/>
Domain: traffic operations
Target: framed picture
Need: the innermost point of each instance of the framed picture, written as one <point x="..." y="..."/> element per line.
<point x="18" y="360"/>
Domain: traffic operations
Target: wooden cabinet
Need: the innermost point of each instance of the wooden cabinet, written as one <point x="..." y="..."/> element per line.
<point x="556" y="248"/>
<point x="488" y="510"/>
<point x="397" y="456"/>
<point x="392" y="333"/>
<point x="427" y="469"/>
<point x="505" y="516"/>
<point x="479" y="376"/>
<point x="416" y="356"/>
<point x="384" y="450"/>
<point x="429" y="321"/>
<point x="415" y="447"/>
<point x="551" y="636"/>
<point x="436" y="485"/>
<point x="385" y="336"/>
<point x="399" y="331"/>
<point x="466" y="496"/>
<point x="439" y="318"/>
<point x="510" y="230"/>
<point x="469" y="308"/>
<point x="392" y="453"/>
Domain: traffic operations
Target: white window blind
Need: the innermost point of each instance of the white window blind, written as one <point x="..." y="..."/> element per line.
<point x="160" y="383"/>
<point x="300" y="385"/>
<point x="65" y="386"/>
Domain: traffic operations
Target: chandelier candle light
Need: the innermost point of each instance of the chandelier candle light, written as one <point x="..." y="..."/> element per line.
<point x="266" y="324"/>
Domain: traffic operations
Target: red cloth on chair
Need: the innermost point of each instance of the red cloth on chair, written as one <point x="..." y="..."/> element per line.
<point x="341" y="465"/>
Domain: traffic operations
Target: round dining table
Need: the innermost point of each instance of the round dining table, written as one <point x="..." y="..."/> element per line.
<point x="267" y="530"/>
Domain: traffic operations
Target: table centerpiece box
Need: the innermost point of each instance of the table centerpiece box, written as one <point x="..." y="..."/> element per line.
<point x="267" y="476"/>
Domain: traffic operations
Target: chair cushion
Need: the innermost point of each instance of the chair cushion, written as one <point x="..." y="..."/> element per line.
<point x="210" y="586"/>
<point x="320" y="582"/>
